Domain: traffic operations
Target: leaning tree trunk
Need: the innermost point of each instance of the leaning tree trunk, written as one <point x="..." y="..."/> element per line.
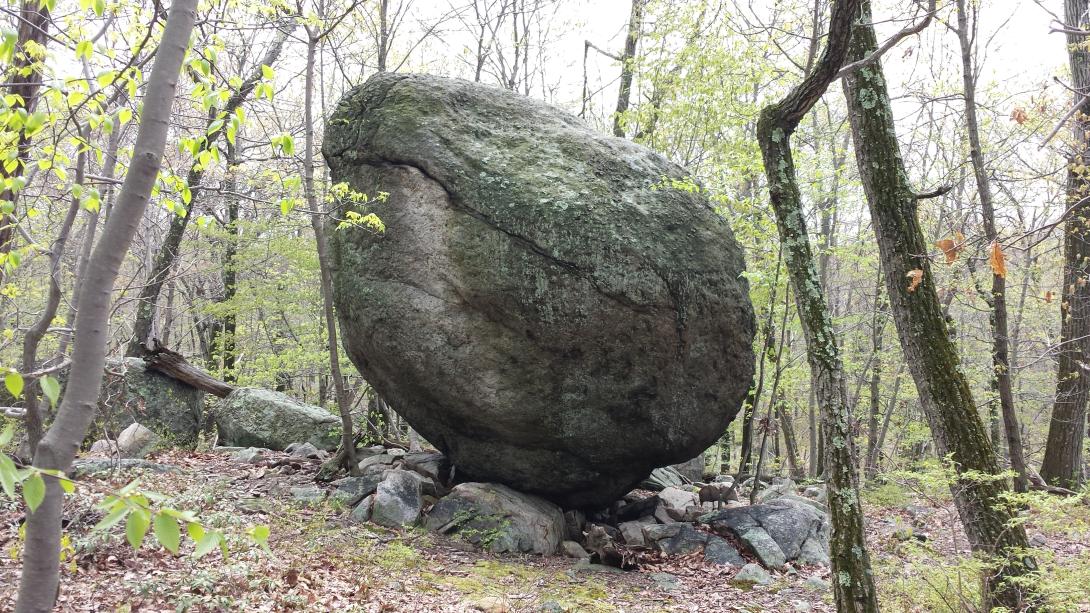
<point x="998" y="299"/>
<point x="1066" y="431"/>
<point x="169" y="250"/>
<point x="40" y="581"/>
<point x="854" y="587"/>
<point x="347" y="452"/>
<point x="932" y="358"/>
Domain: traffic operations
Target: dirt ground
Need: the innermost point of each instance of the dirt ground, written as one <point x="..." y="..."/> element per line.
<point x="319" y="561"/>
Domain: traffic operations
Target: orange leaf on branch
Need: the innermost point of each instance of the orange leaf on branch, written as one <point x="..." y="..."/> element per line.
<point x="1019" y="115"/>
<point x="997" y="260"/>
<point x="952" y="247"/>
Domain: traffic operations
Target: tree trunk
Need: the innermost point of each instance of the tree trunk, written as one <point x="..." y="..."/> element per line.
<point x="1063" y="452"/>
<point x="174" y="365"/>
<point x="222" y="333"/>
<point x="168" y="251"/>
<point x="878" y="325"/>
<point x="35" y="415"/>
<point x="25" y="81"/>
<point x="931" y="356"/>
<point x="854" y="588"/>
<point x="1000" y="338"/>
<point x="40" y="580"/>
<point x="789" y="444"/>
<point x="628" y="59"/>
<point x="347" y="452"/>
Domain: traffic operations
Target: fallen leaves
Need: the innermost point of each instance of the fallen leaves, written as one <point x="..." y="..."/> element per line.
<point x="915" y="276"/>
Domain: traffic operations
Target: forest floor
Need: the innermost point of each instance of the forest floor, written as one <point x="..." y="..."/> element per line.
<point x="319" y="561"/>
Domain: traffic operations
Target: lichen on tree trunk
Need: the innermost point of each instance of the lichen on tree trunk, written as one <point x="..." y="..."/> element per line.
<point x="853" y="585"/>
<point x="931" y="355"/>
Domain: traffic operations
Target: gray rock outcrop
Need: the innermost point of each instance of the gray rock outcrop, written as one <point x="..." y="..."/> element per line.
<point x="254" y="417"/>
<point x="499" y="519"/>
<point x="552" y="308"/>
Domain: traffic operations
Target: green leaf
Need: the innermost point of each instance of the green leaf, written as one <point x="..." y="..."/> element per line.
<point x="51" y="388"/>
<point x="195" y="530"/>
<point x="14" y="382"/>
<point x="66" y="484"/>
<point x="167" y="532"/>
<point x="99" y="7"/>
<point x="208" y="542"/>
<point x="7" y="434"/>
<point x="8" y="475"/>
<point x="34" y="491"/>
<point x="267" y="72"/>
<point x="112" y="518"/>
<point x="137" y="527"/>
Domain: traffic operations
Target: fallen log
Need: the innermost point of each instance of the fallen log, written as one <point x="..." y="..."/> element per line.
<point x="174" y="365"/>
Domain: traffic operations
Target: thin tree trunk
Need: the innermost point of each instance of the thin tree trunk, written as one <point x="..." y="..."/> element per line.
<point x="854" y="587"/>
<point x="1066" y="430"/>
<point x="789" y="444"/>
<point x="878" y="325"/>
<point x="628" y="60"/>
<point x="40" y="580"/>
<point x="25" y="76"/>
<point x="222" y="333"/>
<point x="35" y="419"/>
<point x="931" y="356"/>
<point x="169" y="250"/>
<point x="347" y="452"/>
<point x="1000" y="339"/>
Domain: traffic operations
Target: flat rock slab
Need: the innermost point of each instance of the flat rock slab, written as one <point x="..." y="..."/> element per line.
<point x="553" y="308"/>
<point x="499" y="519"/>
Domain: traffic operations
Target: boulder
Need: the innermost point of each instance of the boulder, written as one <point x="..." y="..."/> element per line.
<point x="572" y="549"/>
<point x="499" y="519"/>
<point x="131" y="392"/>
<point x="304" y="451"/>
<point x="399" y="499"/>
<point x="136" y="441"/>
<point x="752" y="574"/>
<point x="249" y="455"/>
<point x="632" y="533"/>
<point x="662" y="478"/>
<point x="551" y="307"/>
<point x="428" y="463"/>
<point x="719" y="551"/>
<point x="777" y="532"/>
<point x="351" y="489"/>
<point x="95" y="467"/>
<point x="693" y="470"/>
<point x="678" y="538"/>
<point x="254" y="417"/>
<point x="362" y="511"/>
<point x="676" y="501"/>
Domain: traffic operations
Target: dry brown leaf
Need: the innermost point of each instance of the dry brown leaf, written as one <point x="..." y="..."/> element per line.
<point x="952" y="247"/>
<point x="1019" y="115"/>
<point x="997" y="261"/>
<point x="1048" y="297"/>
<point x="915" y="276"/>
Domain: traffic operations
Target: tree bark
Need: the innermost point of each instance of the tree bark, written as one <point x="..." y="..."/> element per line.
<point x="1063" y="460"/>
<point x="854" y="587"/>
<point x="1000" y="339"/>
<point x="628" y="58"/>
<point x="168" y="251"/>
<point x="932" y="358"/>
<point x="33" y="30"/>
<point x="40" y="580"/>
<point x="174" y="365"/>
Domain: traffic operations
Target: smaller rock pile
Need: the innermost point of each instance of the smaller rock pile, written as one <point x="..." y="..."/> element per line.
<point x="397" y="489"/>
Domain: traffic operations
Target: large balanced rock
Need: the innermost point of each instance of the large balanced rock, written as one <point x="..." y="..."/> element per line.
<point x="254" y="417"/>
<point x="554" y="309"/>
